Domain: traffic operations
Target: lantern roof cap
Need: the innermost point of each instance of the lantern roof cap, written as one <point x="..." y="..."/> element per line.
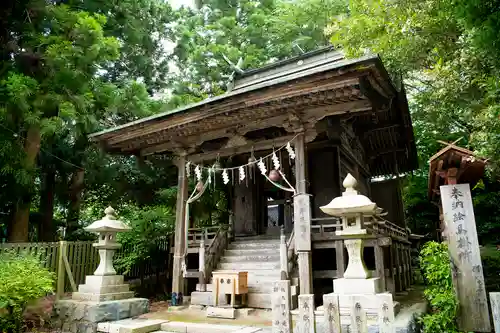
<point x="108" y="223"/>
<point x="351" y="202"/>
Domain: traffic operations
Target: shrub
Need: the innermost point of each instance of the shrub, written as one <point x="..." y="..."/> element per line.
<point x="435" y="265"/>
<point x="490" y="257"/>
<point x="22" y="280"/>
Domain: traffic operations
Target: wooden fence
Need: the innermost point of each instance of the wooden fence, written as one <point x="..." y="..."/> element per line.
<point x="83" y="259"/>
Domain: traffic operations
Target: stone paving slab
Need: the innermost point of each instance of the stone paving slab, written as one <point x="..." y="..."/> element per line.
<point x="136" y="325"/>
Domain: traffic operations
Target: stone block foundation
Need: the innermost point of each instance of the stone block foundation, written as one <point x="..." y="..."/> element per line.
<point x="78" y="316"/>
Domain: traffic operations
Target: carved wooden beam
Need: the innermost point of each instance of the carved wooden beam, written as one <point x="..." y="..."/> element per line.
<point x="197" y="140"/>
<point x="255" y="146"/>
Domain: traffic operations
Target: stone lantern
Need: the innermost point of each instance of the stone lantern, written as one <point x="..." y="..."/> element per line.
<point x="351" y="207"/>
<point x="107" y="228"/>
<point x="105" y="284"/>
<point x="357" y="292"/>
<point x="105" y="296"/>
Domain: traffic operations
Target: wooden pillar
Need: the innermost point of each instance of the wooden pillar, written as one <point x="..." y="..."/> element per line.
<point x="339" y="256"/>
<point x="179" y="240"/>
<point x="300" y="164"/>
<point x="397" y="261"/>
<point x="394" y="268"/>
<point x="406" y="254"/>
<point x="302" y="218"/>
<point x="410" y="265"/>
<point x="283" y="255"/>
<point x="379" y="264"/>
<point x="201" y="267"/>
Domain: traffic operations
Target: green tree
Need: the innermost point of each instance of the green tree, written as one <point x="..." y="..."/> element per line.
<point x="446" y="53"/>
<point x="49" y="80"/>
<point x="257" y="32"/>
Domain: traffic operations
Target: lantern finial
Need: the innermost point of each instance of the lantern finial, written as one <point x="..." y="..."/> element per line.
<point x="350" y="182"/>
<point x="110" y="213"/>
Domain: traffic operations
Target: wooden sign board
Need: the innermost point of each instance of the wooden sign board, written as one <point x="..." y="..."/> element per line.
<point x="465" y="258"/>
<point x="302" y="222"/>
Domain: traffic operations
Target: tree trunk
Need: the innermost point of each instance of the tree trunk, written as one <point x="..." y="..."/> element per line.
<point x="46" y="233"/>
<point x="20" y="225"/>
<point x="75" y="199"/>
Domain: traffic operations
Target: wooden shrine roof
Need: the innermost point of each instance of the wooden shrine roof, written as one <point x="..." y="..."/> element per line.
<point x="293" y="95"/>
<point x="470" y="168"/>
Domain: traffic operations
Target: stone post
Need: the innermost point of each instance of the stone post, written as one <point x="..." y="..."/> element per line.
<point x="307" y="321"/>
<point x="283" y="255"/>
<point x="180" y="230"/>
<point x="358" y="318"/>
<point x="495" y="309"/>
<point x="280" y="302"/>
<point x="201" y="268"/>
<point x="331" y="315"/>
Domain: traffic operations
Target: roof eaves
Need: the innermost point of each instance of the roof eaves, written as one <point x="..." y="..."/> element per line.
<point x="314" y="70"/>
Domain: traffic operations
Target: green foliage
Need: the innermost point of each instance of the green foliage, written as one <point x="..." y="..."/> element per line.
<point x="490" y="258"/>
<point x="435" y="264"/>
<point x="150" y="225"/>
<point x="22" y="280"/>
<point x="258" y="32"/>
<point x="421" y="215"/>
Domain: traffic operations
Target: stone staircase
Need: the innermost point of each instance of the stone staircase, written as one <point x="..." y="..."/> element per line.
<point x="260" y="257"/>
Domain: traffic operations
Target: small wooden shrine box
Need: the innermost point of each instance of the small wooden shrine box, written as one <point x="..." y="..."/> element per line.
<point x="231" y="283"/>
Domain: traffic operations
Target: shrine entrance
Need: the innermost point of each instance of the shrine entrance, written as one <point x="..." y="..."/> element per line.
<point x="260" y="208"/>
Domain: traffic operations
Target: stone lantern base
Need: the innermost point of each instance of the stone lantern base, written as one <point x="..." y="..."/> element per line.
<point x="357" y="286"/>
<point x="368" y="291"/>
<point x="103" y="288"/>
<point x="100" y="299"/>
<point x="78" y="316"/>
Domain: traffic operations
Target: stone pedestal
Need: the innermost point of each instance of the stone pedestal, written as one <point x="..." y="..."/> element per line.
<point x="103" y="288"/>
<point x="357" y="286"/>
<point x="78" y="316"/>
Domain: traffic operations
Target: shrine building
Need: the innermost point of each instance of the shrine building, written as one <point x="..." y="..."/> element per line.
<point x="288" y="129"/>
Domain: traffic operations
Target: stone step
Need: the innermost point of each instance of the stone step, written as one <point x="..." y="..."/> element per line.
<point x="186" y="327"/>
<point x="249" y="266"/>
<point x="249" y="252"/>
<point x="253" y="245"/>
<point x="259" y="237"/>
<point x="135" y="325"/>
<point x="254" y="258"/>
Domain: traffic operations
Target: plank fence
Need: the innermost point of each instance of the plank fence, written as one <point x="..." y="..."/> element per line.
<point x="82" y="259"/>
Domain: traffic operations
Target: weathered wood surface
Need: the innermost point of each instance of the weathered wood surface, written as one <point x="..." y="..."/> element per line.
<point x="331" y="313"/>
<point x="465" y="258"/>
<point x="307" y="322"/>
<point x="280" y="302"/>
<point x="302" y="225"/>
<point x="180" y="227"/>
<point x="495" y="309"/>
